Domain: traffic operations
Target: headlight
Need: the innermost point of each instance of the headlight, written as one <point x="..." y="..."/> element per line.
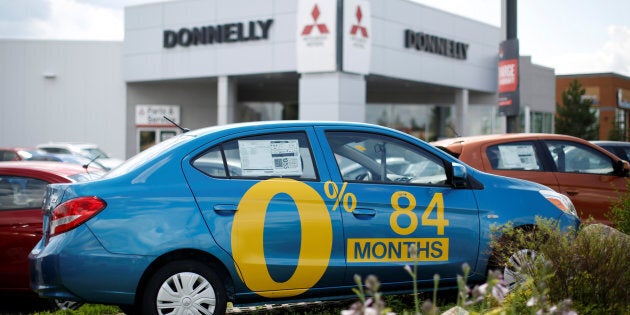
<point x="559" y="200"/>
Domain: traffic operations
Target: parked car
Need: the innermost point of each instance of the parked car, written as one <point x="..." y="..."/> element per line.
<point x="70" y="158"/>
<point x="619" y="148"/>
<point x="88" y="150"/>
<point x="260" y="213"/>
<point x="19" y="153"/>
<point x="22" y="189"/>
<point x="591" y="176"/>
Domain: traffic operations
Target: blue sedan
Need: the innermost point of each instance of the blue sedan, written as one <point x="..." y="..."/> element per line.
<point x="271" y="212"/>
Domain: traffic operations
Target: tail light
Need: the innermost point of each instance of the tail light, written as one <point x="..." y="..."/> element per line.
<point x="73" y="213"/>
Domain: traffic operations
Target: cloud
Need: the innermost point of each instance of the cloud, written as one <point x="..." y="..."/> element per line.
<point x="617" y="50"/>
<point x="612" y="56"/>
<point x="60" y="19"/>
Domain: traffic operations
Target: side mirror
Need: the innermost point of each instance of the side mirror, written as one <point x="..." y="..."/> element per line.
<point x="460" y="176"/>
<point x="622" y="168"/>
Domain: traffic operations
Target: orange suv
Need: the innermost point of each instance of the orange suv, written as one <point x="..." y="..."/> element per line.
<point x="591" y="176"/>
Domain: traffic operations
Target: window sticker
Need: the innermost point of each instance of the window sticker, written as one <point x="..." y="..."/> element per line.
<point x="518" y="157"/>
<point x="270" y="157"/>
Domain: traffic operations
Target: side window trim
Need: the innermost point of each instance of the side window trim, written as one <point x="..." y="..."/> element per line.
<point x="304" y="142"/>
<point x="399" y="144"/>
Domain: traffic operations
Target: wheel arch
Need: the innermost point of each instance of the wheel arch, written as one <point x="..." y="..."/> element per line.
<point x="187" y="254"/>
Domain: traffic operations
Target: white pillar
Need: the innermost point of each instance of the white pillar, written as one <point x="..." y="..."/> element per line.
<point x="226" y="100"/>
<point x="461" y="112"/>
<point x="332" y="96"/>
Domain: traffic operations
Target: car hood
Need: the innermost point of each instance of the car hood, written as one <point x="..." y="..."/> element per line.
<point x="506" y="182"/>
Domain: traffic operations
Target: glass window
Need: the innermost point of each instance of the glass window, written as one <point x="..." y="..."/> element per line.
<point x="376" y="158"/>
<point x="514" y="156"/>
<point x="273" y="155"/>
<point x="21" y="192"/>
<point x="572" y="157"/>
<point x="8" y="156"/>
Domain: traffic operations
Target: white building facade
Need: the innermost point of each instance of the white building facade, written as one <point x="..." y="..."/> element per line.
<point x="206" y="62"/>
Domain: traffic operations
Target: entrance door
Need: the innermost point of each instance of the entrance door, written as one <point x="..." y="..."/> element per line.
<point x="147" y="137"/>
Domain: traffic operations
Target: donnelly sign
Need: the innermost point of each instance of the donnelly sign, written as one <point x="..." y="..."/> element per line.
<point x="436" y="45"/>
<point x="217" y="34"/>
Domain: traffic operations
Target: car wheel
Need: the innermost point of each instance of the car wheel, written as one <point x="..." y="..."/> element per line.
<point x="519" y="267"/>
<point x="67" y="305"/>
<point x="184" y="287"/>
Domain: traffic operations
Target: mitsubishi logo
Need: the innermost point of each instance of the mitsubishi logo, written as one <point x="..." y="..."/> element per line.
<point x="358" y="27"/>
<point x="320" y="27"/>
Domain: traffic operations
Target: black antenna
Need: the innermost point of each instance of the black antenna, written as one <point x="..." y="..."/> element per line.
<point x="184" y="130"/>
<point x="86" y="165"/>
<point x="453" y="130"/>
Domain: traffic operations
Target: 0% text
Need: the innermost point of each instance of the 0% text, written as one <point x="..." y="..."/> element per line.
<point x="340" y="195"/>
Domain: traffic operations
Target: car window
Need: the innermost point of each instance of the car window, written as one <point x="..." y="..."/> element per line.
<point x="571" y="157"/>
<point x="514" y="156"/>
<point x="377" y="158"/>
<point x="8" y="156"/>
<point x="272" y="155"/>
<point x="57" y="150"/>
<point x="21" y="192"/>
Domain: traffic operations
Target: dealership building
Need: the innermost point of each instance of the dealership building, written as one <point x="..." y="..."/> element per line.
<point x="201" y="63"/>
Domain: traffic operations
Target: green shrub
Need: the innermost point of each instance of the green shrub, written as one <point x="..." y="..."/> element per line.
<point x="619" y="213"/>
<point x="591" y="268"/>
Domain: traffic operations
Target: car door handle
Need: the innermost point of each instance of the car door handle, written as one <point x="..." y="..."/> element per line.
<point x="225" y="208"/>
<point x="363" y="212"/>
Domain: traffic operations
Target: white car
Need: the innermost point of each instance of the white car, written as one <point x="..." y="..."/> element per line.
<point x="88" y="150"/>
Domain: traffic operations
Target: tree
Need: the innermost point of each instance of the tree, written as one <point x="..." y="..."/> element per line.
<point x="576" y="117"/>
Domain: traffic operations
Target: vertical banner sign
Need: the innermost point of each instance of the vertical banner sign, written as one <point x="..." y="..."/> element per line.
<point x="509" y="96"/>
<point x="316" y="36"/>
<point x="357" y="36"/>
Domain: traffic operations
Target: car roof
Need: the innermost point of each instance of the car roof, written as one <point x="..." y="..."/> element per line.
<point x="67" y="145"/>
<point x="455" y="146"/>
<point x="612" y="143"/>
<point x="58" y="168"/>
<point x="276" y="123"/>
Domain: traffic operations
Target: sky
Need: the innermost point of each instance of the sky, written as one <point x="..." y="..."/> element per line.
<point x="571" y="36"/>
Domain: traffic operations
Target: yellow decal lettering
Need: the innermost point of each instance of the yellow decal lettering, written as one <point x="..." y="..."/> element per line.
<point x="439" y="222"/>
<point x="407" y="211"/>
<point x="396" y="249"/>
<point x="248" y="241"/>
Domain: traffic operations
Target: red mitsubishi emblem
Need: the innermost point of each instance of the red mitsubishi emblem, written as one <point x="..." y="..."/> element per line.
<point x="320" y="27"/>
<point x="358" y="27"/>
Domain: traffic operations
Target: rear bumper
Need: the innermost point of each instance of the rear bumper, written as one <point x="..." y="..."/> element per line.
<point x="74" y="266"/>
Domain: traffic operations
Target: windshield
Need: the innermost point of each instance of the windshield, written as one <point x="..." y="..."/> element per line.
<point x="94" y="152"/>
<point x="149" y="154"/>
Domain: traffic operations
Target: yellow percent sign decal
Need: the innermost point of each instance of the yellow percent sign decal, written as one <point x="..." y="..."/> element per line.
<point x="332" y="192"/>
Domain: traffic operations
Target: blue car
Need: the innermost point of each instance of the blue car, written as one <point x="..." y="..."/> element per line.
<point x="272" y="212"/>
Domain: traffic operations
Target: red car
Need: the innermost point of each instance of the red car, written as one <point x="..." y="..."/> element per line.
<point x="22" y="188"/>
<point x="590" y="176"/>
<point x="19" y="153"/>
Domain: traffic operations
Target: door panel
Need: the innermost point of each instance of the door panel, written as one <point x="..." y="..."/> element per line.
<point x="263" y="200"/>
<point x="389" y="207"/>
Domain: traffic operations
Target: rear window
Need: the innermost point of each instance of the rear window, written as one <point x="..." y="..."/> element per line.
<point x="514" y="156"/>
<point x="18" y="192"/>
<point x="148" y="154"/>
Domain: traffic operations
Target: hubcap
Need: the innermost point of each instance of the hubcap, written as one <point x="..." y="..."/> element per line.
<point x="520" y="265"/>
<point x="186" y="293"/>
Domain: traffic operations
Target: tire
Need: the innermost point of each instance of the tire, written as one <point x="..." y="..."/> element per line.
<point x="519" y="267"/>
<point x="184" y="287"/>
